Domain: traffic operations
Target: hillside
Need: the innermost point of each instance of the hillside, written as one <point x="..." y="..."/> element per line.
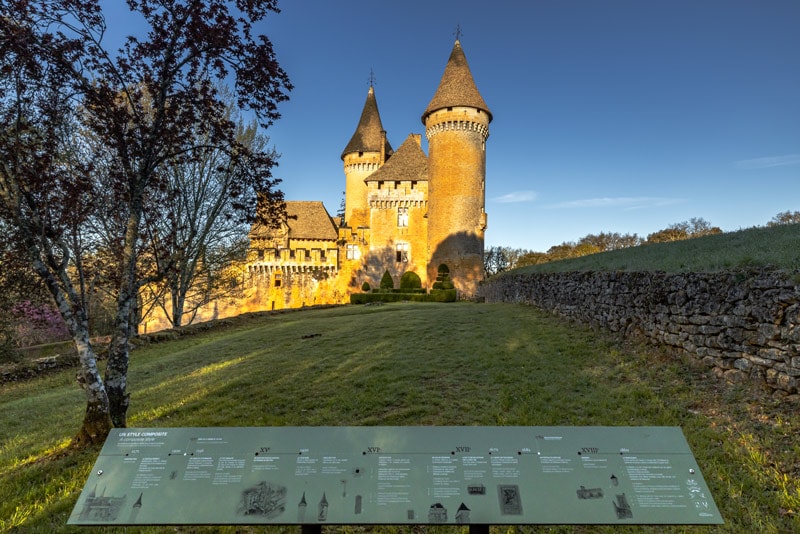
<point x="409" y="364"/>
<point x="775" y="247"/>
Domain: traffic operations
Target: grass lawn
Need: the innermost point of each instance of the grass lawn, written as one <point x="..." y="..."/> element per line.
<point x="410" y="364"/>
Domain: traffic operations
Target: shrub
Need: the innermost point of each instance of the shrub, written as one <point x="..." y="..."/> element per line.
<point x="443" y="281"/>
<point x="386" y="281"/>
<point x="448" y="295"/>
<point x="410" y="280"/>
<point x="442" y="295"/>
<point x="365" y="287"/>
<point x="37" y="323"/>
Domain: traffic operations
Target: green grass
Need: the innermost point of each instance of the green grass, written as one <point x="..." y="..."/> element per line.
<point x="777" y="247"/>
<point x="410" y="364"/>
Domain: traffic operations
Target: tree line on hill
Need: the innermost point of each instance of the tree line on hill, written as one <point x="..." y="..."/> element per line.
<point x="498" y="259"/>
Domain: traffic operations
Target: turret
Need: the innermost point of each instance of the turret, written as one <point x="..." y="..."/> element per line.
<point x="367" y="150"/>
<point x="457" y="127"/>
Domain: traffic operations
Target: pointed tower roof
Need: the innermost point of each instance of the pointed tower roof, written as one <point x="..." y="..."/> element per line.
<point x="367" y="137"/>
<point x="457" y="87"/>
<point x="408" y="163"/>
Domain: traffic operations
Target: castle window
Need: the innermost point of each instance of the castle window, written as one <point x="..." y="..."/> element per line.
<point x="402" y="217"/>
<point x="353" y="252"/>
<point x="402" y="252"/>
<point x="261" y="254"/>
<point x="277" y="279"/>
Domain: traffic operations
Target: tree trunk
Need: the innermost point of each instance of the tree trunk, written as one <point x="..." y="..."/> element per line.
<point x="119" y="351"/>
<point x="117" y="368"/>
<point x="96" y="422"/>
<point x="178" y="299"/>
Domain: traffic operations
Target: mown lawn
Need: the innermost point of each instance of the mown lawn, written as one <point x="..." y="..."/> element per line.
<point x="411" y="364"/>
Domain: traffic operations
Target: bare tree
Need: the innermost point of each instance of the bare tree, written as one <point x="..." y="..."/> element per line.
<point x="785" y="217"/>
<point x="199" y="229"/>
<point x="140" y="102"/>
<point x="43" y="190"/>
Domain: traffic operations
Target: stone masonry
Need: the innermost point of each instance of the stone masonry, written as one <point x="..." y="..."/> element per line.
<point x="745" y="326"/>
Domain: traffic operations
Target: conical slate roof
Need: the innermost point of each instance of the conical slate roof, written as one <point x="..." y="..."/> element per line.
<point x="457" y="87"/>
<point x="408" y="163"/>
<point x="367" y="137"/>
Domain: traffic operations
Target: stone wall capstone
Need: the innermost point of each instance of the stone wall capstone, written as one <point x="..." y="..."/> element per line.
<point x="744" y="325"/>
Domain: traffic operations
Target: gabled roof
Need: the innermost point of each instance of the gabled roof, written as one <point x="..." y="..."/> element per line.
<point x="408" y="163"/>
<point x="308" y="219"/>
<point x="457" y="87"/>
<point x="367" y="137"/>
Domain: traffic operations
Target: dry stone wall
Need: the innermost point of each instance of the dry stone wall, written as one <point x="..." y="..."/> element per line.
<point x="744" y="325"/>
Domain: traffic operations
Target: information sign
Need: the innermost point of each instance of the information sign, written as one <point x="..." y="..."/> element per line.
<point x="396" y="475"/>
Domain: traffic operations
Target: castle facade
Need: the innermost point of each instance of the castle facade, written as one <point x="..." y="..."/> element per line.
<point x="404" y="211"/>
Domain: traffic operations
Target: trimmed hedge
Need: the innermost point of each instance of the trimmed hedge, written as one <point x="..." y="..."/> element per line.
<point x="446" y="295"/>
<point x="421" y="290"/>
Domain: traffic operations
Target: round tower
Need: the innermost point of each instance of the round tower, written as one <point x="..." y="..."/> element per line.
<point x="363" y="155"/>
<point x="457" y="127"/>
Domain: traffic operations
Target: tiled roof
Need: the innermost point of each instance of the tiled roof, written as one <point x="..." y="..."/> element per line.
<point x="305" y="219"/>
<point x="457" y="87"/>
<point x="367" y="137"/>
<point x="308" y="219"/>
<point x="408" y="163"/>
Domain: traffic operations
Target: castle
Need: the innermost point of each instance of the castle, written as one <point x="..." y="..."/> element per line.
<point x="403" y="211"/>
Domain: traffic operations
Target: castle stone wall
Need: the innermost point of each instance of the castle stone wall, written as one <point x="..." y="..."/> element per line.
<point x="745" y="326"/>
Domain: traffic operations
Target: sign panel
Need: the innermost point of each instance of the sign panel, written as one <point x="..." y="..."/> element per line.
<point x="396" y="475"/>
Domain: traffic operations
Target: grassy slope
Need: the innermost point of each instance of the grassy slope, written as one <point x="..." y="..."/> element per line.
<point x="410" y="364"/>
<point x="778" y="247"/>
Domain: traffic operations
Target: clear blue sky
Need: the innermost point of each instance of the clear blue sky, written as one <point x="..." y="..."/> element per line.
<point x="616" y="116"/>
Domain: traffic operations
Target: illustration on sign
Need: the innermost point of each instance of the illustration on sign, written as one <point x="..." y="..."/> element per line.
<point x="264" y="499"/>
<point x="622" y="507"/>
<point x="322" y="509"/>
<point x="437" y="513"/>
<point x="591" y="493"/>
<point x="101" y="508"/>
<point x="462" y="514"/>
<point x="510" y="502"/>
